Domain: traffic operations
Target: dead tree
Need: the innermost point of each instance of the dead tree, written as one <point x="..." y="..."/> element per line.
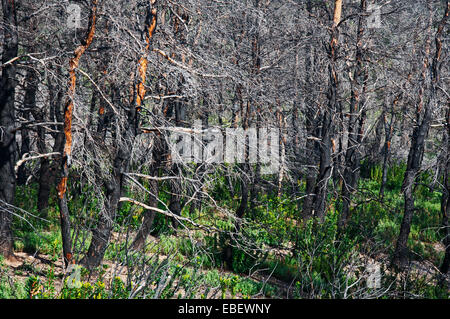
<point x="114" y="186"/>
<point x="430" y="78"/>
<point x="326" y="143"/>
<point x="7" y="125"/>
<point x="355" y="123"/>
<point x="67" y="150"/>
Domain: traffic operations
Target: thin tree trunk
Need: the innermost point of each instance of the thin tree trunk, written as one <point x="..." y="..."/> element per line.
<point x="29" y="104"/>
<point x="388" y="131"/>
<point x="66" y="152"/>
<point x="48" y="169"/>
<point x="352" y="155"/>
<point x="445" y="201"/>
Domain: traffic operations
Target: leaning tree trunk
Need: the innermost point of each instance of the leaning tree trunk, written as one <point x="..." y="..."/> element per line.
<point x="7" y="121"/>
<point x="420" y="132"/>
<point x="66" y="152"/>
<point x="158" y="152"/>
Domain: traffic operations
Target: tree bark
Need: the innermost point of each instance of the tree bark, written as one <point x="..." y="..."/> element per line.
<point x="325" y="169"/>
<point x="420" y="132"/>
<point x="48" y="169"/>
<point x="66" y="152"/>
<point x="445" y="201"/>
<point x="7" y="122"/>
<point x="101" y="235"/>
<point x="388" y="131"/>
<point x="352" y="154"/>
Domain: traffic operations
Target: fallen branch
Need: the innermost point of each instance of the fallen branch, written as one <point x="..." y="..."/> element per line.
<point x="169" y="214"/>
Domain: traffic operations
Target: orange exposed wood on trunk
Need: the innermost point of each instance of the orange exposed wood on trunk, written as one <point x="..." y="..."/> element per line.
<point x="337" y="12"/>
<point x="336" y="19"/>
<point x="143" y="61"/>
<point x="61" y="187"/>
<point x="68" y="110"/>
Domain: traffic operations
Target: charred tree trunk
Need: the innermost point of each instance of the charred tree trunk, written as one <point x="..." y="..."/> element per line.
<point x="326" y="143"/>
<point x="29" y="104"/>
<point x="415" y="156"/>
<point x="48" y="168"/>
<point x="149" y="215"/>
<point x="66" y="152"/>
<point x="352" y="154"/>
<point x="7" y="122"/>
<point x="388" y="131"/>
<point x="445" y="201"/>
<point x="101" y="235"/>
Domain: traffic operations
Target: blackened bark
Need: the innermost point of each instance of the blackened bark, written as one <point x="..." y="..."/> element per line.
<point x="413" y="166"/>
<point x="48" y="169"/>
<point x="102" y="234"/>
<point x="175" y="205"/>
<point x="149" y="215"/>
<point x="7" y="121"/>
<point x="445" y="200"/>
<point x="311" y="123"/>
<point x="326" y="146"/>
<point x="29" y="104"/>
<point x="388" y="131"/>
<point x="430" y="76"/>
<point x="352" y="154"/>
<point x="67" y="150"/>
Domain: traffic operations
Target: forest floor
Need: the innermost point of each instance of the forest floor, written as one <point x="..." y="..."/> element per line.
<point x="24" y="265"/>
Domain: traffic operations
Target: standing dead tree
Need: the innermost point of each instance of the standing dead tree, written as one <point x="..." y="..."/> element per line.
<point x="326" y="143"/>
<point x="425" y="106"/>
<point x="114" y="186"/>
<point x="67" y="150"/>
<point x="355" y="122"/>
<point x="7" y="125"/>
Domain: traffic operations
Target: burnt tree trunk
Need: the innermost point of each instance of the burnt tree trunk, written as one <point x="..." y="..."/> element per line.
<point x="445" y="201"/>
<point x="430" y="77"/>
<point x="352" y="154"/>
<point x="7" y="122"/>
<point x="29" y="104"/>
<point x="48" y="168"/>
<point x="102" y="234"/>
<point x="326" y="143"/>
<point x="388" y="131"/>
<point x="67" y="150"/>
